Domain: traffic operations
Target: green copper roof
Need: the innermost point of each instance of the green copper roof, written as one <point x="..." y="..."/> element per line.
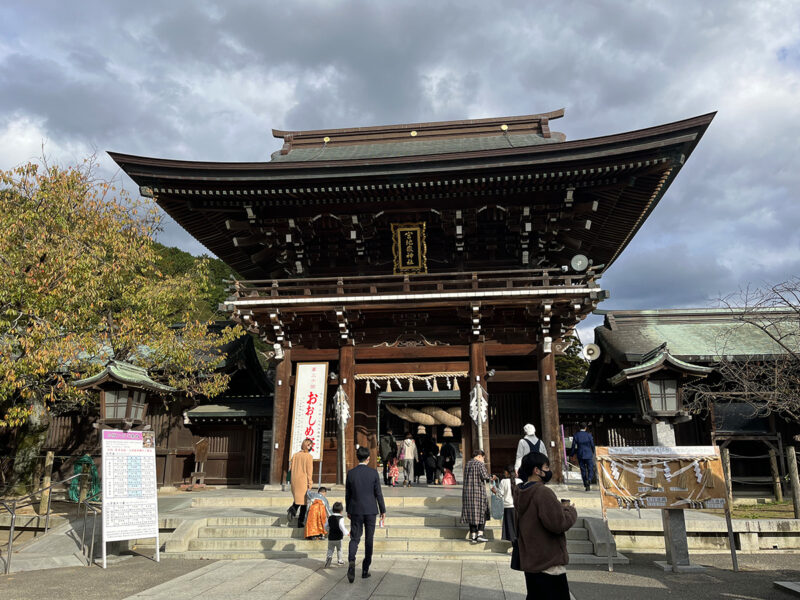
<point x="226" y="407"/>
<point x="123" y="373"/>
<point x="657" y="360"/>
<point x="419" y="147"/>
<point x="692" y="335"/>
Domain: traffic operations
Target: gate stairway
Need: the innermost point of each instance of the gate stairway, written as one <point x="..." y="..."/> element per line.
<point x="416" y="527"/>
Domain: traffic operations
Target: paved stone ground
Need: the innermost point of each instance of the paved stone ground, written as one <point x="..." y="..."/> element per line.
<point x="139" y="578"/>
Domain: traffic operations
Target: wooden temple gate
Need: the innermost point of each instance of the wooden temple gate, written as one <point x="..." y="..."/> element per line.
<point x="517" y="309"/>
<point x="460" y="247"/>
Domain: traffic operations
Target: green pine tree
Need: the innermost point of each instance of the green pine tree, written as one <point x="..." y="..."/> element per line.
<point x="571" y="367"/>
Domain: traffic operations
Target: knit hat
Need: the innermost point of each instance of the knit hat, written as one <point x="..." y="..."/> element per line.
<point x="529" y="429"/>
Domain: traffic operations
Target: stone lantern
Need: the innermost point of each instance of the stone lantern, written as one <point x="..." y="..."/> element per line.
<point x="123" y="391"/>
<point x="658" y="381"/>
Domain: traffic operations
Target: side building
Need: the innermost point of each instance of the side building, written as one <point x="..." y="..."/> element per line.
<point x="651" y="362"/>
<point x="237" y="425"/>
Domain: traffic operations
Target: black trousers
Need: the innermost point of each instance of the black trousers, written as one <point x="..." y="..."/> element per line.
<point x="541" y="585"/>
<point x="301" y="519"/>
<point x="587" y="470"/>
<point x="475" y="528"/>
<point x="361" y="524"/>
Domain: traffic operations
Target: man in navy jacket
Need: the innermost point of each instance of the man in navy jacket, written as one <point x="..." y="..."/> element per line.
<point x="363" y="502"/>
<point x="583" y="446"/>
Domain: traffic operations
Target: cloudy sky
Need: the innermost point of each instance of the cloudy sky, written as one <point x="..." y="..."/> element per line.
<point x="207" y="81"/>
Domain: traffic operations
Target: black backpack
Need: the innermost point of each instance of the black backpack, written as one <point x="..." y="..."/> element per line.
<point x="534" y="447"/>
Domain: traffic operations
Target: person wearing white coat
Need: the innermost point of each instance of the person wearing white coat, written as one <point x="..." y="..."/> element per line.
<point x="529" y="443"/>
<point x="408" y="456"/>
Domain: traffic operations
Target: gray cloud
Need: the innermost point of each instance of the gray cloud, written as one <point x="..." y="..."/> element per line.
<point x="199" y="80"/>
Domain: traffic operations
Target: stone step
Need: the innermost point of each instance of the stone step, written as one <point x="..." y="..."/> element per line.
<point x="574" y="558"/>
<point x="394" y="519"/>
<point x="391" y="532"/>
<point x="394" y="546"/>
<point x="390" y="501"/>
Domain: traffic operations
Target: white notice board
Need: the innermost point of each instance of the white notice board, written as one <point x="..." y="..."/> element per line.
<point x="130" y="501"/>
<point x="308" y="418"/>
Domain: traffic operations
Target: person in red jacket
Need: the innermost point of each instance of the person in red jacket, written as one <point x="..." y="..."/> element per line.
<point x="542" y="522"/>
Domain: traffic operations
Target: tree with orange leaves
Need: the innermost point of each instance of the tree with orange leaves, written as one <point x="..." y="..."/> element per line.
<point x="79" y="284"/>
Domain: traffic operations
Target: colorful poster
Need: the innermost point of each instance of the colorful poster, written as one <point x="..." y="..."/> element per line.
<point x="130" y="503"/>
<point x="308" y="418"/>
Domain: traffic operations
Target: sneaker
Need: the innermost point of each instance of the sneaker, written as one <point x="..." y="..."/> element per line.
<point x="340" y="563"/>
<point x="328" y="562"/>
<point x="481" y="538"/>
<point x="473" y="540"/>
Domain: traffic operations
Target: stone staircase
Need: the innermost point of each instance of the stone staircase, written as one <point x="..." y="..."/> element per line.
<point x="416" y="527"/>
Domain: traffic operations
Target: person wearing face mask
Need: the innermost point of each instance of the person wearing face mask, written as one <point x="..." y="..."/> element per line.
<point x="542" y="522"/>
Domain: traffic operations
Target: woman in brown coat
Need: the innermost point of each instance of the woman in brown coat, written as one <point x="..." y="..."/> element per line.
<point x="302" y="468"/>
<point x="542" y="521"/>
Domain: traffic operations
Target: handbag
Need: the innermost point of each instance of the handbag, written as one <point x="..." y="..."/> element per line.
<point x="449" y="478"/>
<point x="497" y="507"/>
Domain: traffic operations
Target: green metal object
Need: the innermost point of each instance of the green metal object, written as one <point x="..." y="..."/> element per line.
<point x="85" y="462"/>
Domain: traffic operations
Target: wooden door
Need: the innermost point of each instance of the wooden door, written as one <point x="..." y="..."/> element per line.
<point x="230" y="454"/>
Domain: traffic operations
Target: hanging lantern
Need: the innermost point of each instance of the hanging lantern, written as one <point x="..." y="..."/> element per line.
<point x="448" y="432"/>
<point x="369" y="389"/>
<point x="410" y="384"/>
<point x="435" y="385"/>
<point x="421" y="430"/>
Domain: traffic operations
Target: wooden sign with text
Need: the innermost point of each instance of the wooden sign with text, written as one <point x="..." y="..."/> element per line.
<point x="409" y="248"/>
<point x="661" y="477"/>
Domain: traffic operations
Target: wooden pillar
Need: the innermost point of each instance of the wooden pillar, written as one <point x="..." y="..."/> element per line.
<point x="791" y="463"/>
<point x="477" y="375"/>
<point x="551" y="425"/>
<point x="466" y="429"/>
<point x="44" y="505"/>
<point x="280" y="418"/>
<point x="347" y="372"/>
<point x="776" y="479"/>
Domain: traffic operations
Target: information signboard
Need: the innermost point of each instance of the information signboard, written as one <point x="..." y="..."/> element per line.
<point x="661" y="477"/>
<point x="130" y="501"/>
<point x="308" y="417"/>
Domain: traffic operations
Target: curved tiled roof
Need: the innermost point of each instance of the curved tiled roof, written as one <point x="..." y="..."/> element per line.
<point x="694" y="335"/>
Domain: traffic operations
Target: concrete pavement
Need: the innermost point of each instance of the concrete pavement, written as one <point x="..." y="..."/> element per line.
<point x="140" y="578"/>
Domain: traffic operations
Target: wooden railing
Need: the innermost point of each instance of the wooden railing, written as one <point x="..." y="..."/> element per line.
<point x="410" y="284"/>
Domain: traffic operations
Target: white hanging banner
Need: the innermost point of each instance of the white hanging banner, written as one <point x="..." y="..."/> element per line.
<point x="130" y="496"/>
<point x="342" y="403"/>
<point x="478" y="404"/>
<point x="308" y="418"/>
